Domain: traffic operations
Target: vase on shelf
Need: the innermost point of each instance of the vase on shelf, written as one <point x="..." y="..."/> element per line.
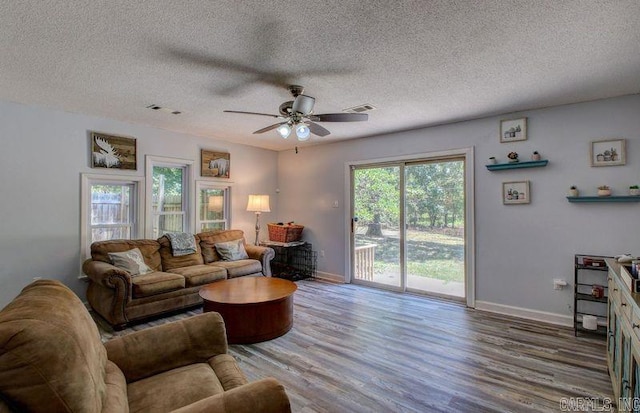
<point x="574" y="192"/>
<point x="604" y="192"/>
<point x="634" y="191"/>
<point x="535" y="156"/>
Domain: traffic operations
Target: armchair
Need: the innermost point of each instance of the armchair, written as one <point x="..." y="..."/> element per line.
<point x="52" y="360"/>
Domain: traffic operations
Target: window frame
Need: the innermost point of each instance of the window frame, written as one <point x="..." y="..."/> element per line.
<point x="201" y="185"/>
<point x="151" y="161"/>
<point x="136" y="203"/>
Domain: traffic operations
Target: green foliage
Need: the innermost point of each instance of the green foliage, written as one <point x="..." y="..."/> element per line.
<point x="445" y="270"/>
<point x="377" y="195"/>
<point x="434" y="195"/>
<point x="430" y="254"/>
<point x="170" y="178"/>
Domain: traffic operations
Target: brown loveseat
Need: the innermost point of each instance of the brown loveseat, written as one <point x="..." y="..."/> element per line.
<point x="174" y="282"/>
<point x="52" y="360"/>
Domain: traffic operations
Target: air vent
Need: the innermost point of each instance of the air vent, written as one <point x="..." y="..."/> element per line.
<point x="365" y="107"/>
<point x="160" y="108"/>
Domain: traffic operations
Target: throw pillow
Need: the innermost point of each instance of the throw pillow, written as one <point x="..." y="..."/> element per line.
<point x="130" y="261"/>
<point x="231" y="250"/>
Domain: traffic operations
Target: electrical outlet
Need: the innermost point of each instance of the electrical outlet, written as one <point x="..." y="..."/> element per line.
<point x="559" y="284"/>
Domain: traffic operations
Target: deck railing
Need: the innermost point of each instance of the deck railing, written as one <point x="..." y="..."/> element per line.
<point x="364" y="258"/>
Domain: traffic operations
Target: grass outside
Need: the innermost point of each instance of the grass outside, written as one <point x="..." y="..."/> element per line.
<point x="430" y="254"/>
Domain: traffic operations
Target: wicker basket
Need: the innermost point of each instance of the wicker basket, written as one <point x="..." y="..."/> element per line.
<point x="285" y="233"/>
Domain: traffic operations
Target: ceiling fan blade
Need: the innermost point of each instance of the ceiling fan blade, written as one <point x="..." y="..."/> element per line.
<point x="317" y="129"/>
<point x="280" y="79"/>
<point x="271" y="127"/>
<point x="339" y="117"/>
<point x="254" y="113"/>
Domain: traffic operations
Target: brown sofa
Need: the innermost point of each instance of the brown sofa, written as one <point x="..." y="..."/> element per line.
<point x="174" y="282"/>
<point x="52" y="360"/>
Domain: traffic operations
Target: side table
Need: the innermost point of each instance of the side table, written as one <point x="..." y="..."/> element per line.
<point x="293" y="261"/>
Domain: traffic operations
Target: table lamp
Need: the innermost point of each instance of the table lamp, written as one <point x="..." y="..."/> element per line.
<point x="258" y="204"/>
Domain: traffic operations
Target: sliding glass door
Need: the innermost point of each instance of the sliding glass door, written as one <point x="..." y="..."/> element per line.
<point x="434" y="199"/>
<point x="408" y="226"/>
<point x="376" y="225"/>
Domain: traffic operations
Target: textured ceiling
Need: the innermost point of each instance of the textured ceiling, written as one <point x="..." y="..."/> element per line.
<point x="420" y="63"/>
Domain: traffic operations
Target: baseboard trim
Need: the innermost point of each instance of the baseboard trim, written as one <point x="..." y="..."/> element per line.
<point x="327" y="276"/>
<point x="535" y="315"/>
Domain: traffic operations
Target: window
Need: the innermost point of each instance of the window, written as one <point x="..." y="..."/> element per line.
<point x="110" y="209"/>
<point x="212" y="205"/>
<point x="168" y="189"/>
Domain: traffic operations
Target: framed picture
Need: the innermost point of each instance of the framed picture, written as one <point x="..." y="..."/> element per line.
<point x="516" y="192"/>
<point x="512" y="130"/>
<point x="112" y="151"/>
<point x="215" y="164"/>
<point x="610" y="152"/>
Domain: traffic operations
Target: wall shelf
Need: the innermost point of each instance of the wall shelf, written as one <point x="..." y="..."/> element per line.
<point x="517" y="165"/>
<point x="620" y="198"/>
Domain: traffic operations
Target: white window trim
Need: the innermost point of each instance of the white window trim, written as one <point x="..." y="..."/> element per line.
<point x="150" y="162"/>
<point x="200" y="185"/>
<point x="86" y="180"/>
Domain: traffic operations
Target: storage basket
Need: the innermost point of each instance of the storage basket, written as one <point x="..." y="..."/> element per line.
<point x="285" y="232"/>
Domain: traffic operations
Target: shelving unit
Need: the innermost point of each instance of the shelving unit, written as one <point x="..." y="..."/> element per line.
<point x="617" y="198"/>
<point x="518" y="165"/>
<point x="589" y="270"/>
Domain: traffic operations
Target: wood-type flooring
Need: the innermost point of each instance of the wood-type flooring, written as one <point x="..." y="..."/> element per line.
<point x="359" y="349"/>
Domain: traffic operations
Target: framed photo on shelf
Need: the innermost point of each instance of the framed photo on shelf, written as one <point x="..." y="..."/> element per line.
<point x="516" y="192"/>
<point x="112" y="151"/>
<point x="512" y="130"/>
<point x="215" y="164"/>
<point x="609" y="152"/>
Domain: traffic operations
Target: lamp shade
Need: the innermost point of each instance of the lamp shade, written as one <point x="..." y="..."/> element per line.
<point x="258" y="203"/>
<point x="302" y="131"/>
<point x="284" y="131"/>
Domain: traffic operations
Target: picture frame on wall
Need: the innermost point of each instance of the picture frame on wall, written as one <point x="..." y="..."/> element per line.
<point x="113" y="151"/>
<point x="516" y="192"/>
<point x="215" y="164"/>
<point x="513" y="130"/>
<point x="608" y="152"/>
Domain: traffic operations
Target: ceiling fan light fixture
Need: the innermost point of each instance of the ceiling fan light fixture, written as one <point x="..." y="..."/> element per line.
<point x="303" y="104"/>
<point x="303" y="132"/>
<point x="294" y="114"/>
<point x="284" y="131"/>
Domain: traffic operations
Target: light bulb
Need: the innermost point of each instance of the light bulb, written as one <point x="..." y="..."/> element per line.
<point x="303" y="132"/>
<point x="284" y="131"/>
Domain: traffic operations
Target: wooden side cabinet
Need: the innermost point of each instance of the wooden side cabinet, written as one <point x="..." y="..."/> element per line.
<point x="623" y="338"/>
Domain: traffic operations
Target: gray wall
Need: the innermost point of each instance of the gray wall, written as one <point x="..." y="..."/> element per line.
<point x="520" y="248"/>
<point x="42" y="154"/>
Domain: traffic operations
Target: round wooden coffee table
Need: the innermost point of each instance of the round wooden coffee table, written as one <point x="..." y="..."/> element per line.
<point x="254" y="309"/>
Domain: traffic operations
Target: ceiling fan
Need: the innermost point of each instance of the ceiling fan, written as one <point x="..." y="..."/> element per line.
<point x="298" y="115"/>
